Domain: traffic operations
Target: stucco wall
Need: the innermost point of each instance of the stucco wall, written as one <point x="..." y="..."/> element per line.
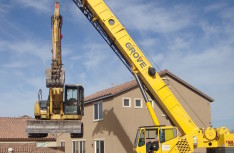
<point x="196" y="106"/>
<point x="119" y="124"/>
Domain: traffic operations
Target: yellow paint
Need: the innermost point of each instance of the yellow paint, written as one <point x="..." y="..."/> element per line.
<point x="55" y="110"/>
<point x="192" y="137"/>
<point x="36" y="109"/>
<point x="152" y="113"/>
<point x="135" y="57"/>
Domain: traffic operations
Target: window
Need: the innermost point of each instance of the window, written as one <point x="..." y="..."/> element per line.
<point x="136" y="139"/>
<point x="98" y="111"/>
<point x="141" y="139"/>
<point x="70" y="103"/>
<point x="126" y="102"/>
<point x="71" y="94"/>
<point x="138" y="103"/>
<point x="167" y="134"/>
<point x="99" y="146"/>
<point x="62" y="143"/>
<point x="78" y="146"/>
<point x="150" y="134"/>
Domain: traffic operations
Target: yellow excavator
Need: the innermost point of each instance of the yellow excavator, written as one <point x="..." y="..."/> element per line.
<point x="63" y="110"/>
<point x="215" y="140"/>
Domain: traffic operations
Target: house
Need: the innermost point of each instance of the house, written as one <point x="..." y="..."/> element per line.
<point x="113" y="115"/>
<point x="13" y="137"/>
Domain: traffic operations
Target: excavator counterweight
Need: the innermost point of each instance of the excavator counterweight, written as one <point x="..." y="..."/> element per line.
<point x="42" y="127"/>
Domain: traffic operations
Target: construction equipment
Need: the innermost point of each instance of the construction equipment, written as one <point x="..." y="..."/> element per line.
<point x="192" y="137"/>
<point x="63" y="110"/>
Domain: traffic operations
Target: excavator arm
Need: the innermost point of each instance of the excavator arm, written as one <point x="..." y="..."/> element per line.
<point x="116" y="36"/>
<point x="55" y="75"/>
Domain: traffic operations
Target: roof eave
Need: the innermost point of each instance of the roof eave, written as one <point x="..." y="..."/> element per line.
<point x="109" y="95"/>
<point x="27" y="139"/>
<point x="164" y="72"/>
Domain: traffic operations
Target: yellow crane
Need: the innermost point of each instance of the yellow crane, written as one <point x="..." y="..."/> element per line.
<point x="215" y="140"/>
<point x="64" y="108"/>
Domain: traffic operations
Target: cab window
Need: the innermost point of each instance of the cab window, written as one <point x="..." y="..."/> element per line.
<point x="167" y="134"/>
<point x="136" y="139"/>
<point x="71" y="94"/>
<point x="151" y="134"/>
<point x="141" y="141"/>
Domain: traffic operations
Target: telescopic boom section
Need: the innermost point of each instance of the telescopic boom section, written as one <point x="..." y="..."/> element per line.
<point x="108" y="26"/>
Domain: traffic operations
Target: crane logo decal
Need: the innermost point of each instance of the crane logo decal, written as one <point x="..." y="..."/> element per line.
<point x="135" y="54"/>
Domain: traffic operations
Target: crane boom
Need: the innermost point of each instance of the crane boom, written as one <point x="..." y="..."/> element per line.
<point x="116" y="36"/>
<point x="135" y="59"/>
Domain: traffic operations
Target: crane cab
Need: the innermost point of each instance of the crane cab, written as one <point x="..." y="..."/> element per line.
<point x="155" y="139"/>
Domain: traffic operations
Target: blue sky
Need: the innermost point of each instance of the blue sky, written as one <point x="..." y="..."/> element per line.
<point x="192" y="39"/>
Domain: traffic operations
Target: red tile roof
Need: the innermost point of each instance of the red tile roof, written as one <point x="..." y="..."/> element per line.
<point x="111" y="91"/>
<point x="12" y="129"/>
<point x="132" y="84"/>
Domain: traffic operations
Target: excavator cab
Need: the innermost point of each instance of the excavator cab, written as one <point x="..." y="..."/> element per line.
<point x="74" y="100"/>
<point x="155" y="139"/>
<point x="68" y="121"/>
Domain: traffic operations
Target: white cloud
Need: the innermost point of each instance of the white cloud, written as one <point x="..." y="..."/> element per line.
<point x="94" y="55"/>
<point x="227" y="13"/>
<point x="20" y="48"/>
<point x="152" y="17"/>
<point x="17" y="64"/>
<point x="215" y="7"/>
<point x="10" y="29"/>
<point x="4" y="8"/>
<point x="17" y="100"/>
<point x="42" y="6"/>
<point x="95" y="67"/>
<point x="76" y="14"/>
<point x="17" y="92"/>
